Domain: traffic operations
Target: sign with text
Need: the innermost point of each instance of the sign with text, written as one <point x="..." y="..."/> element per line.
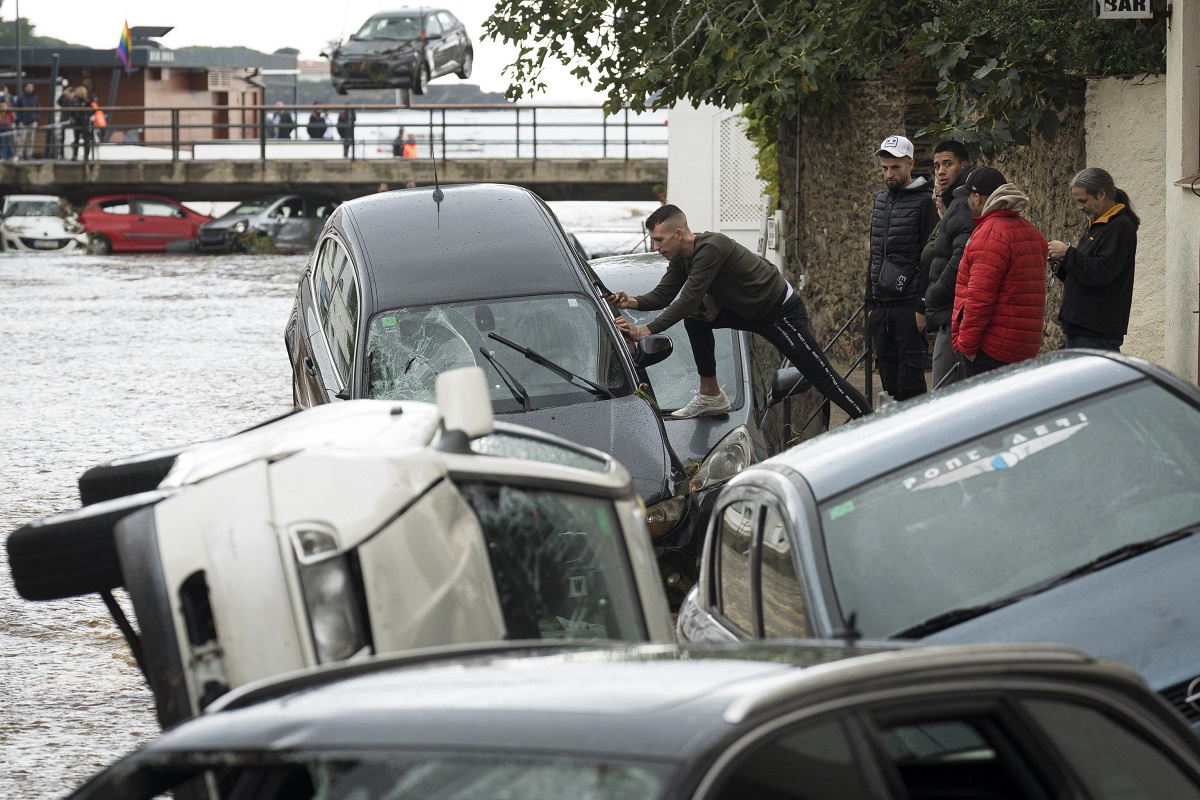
<point x="1122" y="9"/>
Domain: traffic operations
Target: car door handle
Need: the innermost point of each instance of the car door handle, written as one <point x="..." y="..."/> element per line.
<point x="309" y="366"/>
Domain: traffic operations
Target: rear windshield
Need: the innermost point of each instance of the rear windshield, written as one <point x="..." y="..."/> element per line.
<point x="559" y="563"/>
<point x="1019" y="506"/>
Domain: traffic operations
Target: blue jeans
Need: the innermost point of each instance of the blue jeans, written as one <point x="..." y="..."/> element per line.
<point x="1091" y="340"/>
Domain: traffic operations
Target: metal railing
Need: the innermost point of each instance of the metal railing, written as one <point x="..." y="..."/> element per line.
<point x="135" y="133"/>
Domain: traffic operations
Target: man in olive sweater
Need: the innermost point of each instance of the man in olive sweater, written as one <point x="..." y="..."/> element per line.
<point x="714" y="282"/>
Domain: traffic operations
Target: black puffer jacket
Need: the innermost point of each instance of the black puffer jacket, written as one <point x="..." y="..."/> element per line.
<point x="900" y="226"/>
<point x="953" y="233"/>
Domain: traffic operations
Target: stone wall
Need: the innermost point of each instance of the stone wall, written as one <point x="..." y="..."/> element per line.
<point x="827" y="195"/>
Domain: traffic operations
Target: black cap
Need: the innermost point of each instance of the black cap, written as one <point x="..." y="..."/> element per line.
<point x="982" y="180"/>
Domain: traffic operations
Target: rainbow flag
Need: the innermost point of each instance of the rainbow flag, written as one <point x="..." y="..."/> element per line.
<point x="125" y="47"/>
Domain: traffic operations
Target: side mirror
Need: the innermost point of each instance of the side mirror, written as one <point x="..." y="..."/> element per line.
<point x="652" y="349"/>
<point x="787" y="382"/>
<point x="466" y="407"/>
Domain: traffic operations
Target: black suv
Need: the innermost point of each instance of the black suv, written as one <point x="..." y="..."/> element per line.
<point x="403" y="49"/>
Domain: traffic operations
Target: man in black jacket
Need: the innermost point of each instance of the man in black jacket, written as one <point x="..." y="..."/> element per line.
<point x="901" y="223"/>
<point x="1097" y="273"/>
<point x="951" y="166"/>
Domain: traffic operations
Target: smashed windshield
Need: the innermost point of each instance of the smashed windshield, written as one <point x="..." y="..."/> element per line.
<point x="1028" y="503"/>
<point x="390" y="29"/>
<point x="559" y="564"/>
<point x="34" y="208"/>
<point x="408" y="348"/>
<point x="251" y="207"/>
<point x="674" y="379"/>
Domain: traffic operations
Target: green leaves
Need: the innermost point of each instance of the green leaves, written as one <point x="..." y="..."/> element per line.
<point x="1004" y="69"/>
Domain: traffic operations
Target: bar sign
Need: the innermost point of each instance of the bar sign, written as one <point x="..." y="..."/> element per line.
<point x="1122" y="9"/>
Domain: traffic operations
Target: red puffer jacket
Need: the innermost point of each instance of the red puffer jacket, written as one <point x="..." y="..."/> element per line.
<point x="1000" y="296"/>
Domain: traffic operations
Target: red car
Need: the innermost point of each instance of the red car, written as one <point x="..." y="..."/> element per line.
<point x="132" y="222"/>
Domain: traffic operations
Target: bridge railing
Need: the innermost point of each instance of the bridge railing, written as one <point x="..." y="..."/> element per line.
<point x="136" y="133"/>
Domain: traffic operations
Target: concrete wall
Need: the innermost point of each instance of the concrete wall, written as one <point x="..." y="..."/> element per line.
<point x="1182" y="163"/>
<point x="1134" y="153"/>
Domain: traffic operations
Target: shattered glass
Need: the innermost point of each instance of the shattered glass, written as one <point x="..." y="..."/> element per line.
<point x="507" y="445"/>
<point x="408" y="348"/>
<point x="559" y="564"/>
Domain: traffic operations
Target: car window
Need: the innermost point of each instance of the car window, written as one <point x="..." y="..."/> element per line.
<point x="814" y="762"/>
<point x="734" y="536"/>
<point x="448" y="21"/>
<point x="409" y="347"/>
<point x="1038" y="498"/>
<point x="320" y="209"/>
<point x="115" y="207"/>
<point x="292" y="209"/>
<point x="783" y="608"/>
<point x="433" y="26"/>
<point x="382" y="775"/>
<point x="559" y="564"/>
<point x="1113" y="761"/>
<point x="323" y="276"/>
<point x="157" y="208"/>
<point x="675" y="378"/>
<point x="341" y="321"/>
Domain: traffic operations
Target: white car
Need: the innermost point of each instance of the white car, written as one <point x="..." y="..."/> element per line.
<point x="355" y="528"/>
<point x="40" y="223"/>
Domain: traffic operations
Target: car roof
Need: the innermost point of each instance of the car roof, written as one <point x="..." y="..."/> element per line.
<point x="644" y="701"/>
<point x="911" y="430"/>
<point x="479" y="241"/>
<point x="131" y="196"/>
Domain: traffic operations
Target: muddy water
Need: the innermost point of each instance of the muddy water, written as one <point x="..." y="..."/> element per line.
<point x="102" y="358"/>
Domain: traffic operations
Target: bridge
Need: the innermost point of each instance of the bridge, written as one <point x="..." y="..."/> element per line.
<point x="559" y="152"/>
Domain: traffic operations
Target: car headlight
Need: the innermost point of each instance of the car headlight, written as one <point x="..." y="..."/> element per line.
<point x="731" y="455"/>
<point x="329" y="595"/>
<point x="240" y="227"/>
<point x="662" y="517"/>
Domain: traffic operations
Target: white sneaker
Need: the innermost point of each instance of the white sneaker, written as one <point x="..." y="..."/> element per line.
<point x="703" y="405"/>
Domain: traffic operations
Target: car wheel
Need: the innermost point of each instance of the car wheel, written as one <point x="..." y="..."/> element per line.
<point x="422" y="81"/>
<point x="73" y="553"/>
<point x="126" y="477"/>
<point x="99" y="245"/>
<point x="468" y="63"/>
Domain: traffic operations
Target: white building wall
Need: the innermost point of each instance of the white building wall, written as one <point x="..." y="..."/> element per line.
<point x="711" y="172"/>
<point x="1182" y="272"/>
<point x="1134" y="158"/>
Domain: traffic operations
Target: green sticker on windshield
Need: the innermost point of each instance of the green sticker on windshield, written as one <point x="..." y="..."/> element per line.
<point x="841" y="510"/>
<point x="602" y="521"/>
<point x="389" y="322"/>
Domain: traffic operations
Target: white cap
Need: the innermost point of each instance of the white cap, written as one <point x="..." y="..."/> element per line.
<point x="897" y="146"/>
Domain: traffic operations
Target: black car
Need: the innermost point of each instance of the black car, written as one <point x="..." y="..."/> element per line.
<point x="405" y="285"/>
<point x="715" y="448"/>
<point x="1053" y="501"/>
<point x="403" y="49"/>
<point x="659" y="722"/>
<point x="291" y="221"/>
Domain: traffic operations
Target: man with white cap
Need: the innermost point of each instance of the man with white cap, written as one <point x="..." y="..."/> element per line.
<point x="903" y="218"/>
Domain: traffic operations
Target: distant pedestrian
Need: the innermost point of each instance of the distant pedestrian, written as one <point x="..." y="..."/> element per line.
<point x="903" y="218"/>
<point x="80" y="119"/>
<point x="6" y="130"/>
<point x="318" y="125"/>
<point x="713" y="282"/>
<point x="410" y="146"/>
<point x="26" y="122"/>
<point x="345" y="129"/>
<point x="383" y="187"/>
<point x="398" y="144"/>
<point x="1097" y="273"/>
<point x="65" y="101"/>
<point x="1000" y="299"/>
<point x="951" y="166"/>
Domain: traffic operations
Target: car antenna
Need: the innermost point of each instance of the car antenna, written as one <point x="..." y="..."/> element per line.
<point x="438" y="196"/>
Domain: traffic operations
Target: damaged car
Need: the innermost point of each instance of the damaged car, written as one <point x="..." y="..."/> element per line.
<point x="348" y="530"/>
<point x="291" y="222"/>
<point x="402" y="49"/>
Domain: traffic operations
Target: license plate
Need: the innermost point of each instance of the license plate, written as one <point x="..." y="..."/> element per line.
<point x="46" y="244"/>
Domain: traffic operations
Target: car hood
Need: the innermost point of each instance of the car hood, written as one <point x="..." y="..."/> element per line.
<point x="627" y="428"/>
<point x="1140" y="612"/>
<point x="227" y="221"/>
<point x="356" y="48"/>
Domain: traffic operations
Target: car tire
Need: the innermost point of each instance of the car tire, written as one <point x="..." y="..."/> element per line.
<point x="99" y="245"/>
<point x="422" y="79"/>
<point x="468" y="63"/>
<point x="125" y="477"/>
<point x="73" y="553"/>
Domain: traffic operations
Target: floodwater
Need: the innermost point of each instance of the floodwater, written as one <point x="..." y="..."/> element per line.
<point x="106" y="357"/>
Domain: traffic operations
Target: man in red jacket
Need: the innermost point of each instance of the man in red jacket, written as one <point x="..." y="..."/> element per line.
<point x="1000" y="295"/>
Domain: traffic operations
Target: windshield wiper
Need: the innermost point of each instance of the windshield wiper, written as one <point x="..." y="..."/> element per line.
<point x="1123" y="553"/>
<point x="557" y="369"/>
<point x="514" y="385"/>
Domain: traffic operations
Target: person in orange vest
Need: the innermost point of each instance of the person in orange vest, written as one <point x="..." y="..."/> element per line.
<point x="410" y="146"/>
<point x="99" y="121"/>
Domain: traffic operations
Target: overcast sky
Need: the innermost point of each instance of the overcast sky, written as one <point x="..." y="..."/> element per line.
<point x="268" y="26"/>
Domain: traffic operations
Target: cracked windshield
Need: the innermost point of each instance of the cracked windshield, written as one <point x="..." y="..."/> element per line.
<point x="559" y="571"/>
<point x="409" y="347"/>
<point x="1021" y="506"/>
<point x="674" y="379"/>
